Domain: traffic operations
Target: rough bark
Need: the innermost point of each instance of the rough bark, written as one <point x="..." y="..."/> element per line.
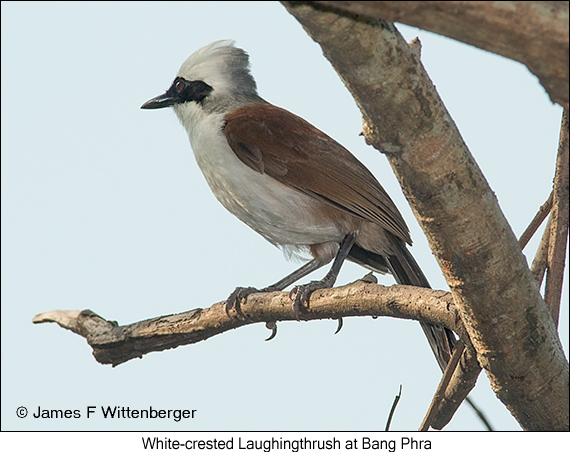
<point x="493" y="288"/>
<point x="534" y="33"/>
<point x="115" y="344"/>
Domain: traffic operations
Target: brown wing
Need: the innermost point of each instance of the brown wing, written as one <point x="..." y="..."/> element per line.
<point x="275" y="142"/>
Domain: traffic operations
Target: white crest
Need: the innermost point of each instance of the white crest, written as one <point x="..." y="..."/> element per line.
<point x="222" y="66"/>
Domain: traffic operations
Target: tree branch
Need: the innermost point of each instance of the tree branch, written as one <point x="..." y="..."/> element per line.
<point x="114" y="344"/>
<point x="444" y="383"/>
<point x="460" y="385"/>
<point x="534" y="33"/>
<point x="540" y="261"/>
<point x="536" y="222"/>
<point x="559" y="227"/>
<point x="493" y="288"/>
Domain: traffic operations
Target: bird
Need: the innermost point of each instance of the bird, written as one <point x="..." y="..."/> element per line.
<point x="289" y="181"/>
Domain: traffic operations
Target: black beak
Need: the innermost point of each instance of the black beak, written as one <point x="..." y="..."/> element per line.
<point x="180" y="91"/>
<point x="162" y="101"/>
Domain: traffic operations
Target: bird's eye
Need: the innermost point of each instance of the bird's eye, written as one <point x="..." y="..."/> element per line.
<point x="179" y="86"/>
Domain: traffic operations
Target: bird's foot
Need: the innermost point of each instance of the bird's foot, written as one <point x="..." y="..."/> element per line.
<point x="237" y="297"/>
<point x="301" y="294"/>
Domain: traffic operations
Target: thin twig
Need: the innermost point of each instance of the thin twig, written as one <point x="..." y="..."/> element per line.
<point x="481" y="415"/>
<point x="559" y="227"/>
<point x="462" y="382"/>
<point x="536" y="221"/>
<point x="439" y="393"/>
<point x="540" y="261"/>
<point x="394" y="405"/>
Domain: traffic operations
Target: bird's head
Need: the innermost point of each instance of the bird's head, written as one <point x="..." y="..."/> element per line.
<point x="214" y="78"/>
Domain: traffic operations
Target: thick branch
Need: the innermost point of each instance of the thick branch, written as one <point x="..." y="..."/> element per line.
<point x="493" y="288"/>
<point x="534" y="33"/>
<point x="114" y="344"/>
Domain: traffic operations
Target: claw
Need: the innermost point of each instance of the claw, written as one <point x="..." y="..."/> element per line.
<point x="293" y="292"/>
<point x="339" y="327"/>
<point x="236" y="298"/>
<point x="229" y="304"/>
<point x="294" y="296"/>
<point x="303" y="293"/>
<point x="301" y="301"/>
<point x="273" y="327"/>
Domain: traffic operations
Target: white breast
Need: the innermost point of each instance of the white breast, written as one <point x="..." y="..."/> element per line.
<point x="279" y="213"/>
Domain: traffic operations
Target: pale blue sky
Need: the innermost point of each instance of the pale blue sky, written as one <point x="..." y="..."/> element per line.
<point x="104" y="207"/>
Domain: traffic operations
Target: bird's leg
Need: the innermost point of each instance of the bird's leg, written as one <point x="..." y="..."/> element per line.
<point x="302" y="293"/>
<point x="240" y="293"/>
